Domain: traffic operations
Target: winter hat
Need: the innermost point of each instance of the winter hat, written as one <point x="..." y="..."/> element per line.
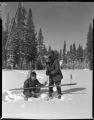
<point x="33" y="73"/>
<point x="51" y="54"/>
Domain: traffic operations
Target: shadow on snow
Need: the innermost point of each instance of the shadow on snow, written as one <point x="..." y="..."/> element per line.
<point x="71" y="90"/>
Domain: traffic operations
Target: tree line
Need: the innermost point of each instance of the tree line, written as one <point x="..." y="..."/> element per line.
<point x="78" y="57"/>
<point x="23" y="48"/>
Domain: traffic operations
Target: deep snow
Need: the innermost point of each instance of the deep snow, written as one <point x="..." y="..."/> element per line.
<point x="76" y="101"/>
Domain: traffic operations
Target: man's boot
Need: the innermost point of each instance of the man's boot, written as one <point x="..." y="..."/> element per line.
<point x="50" y="95"/>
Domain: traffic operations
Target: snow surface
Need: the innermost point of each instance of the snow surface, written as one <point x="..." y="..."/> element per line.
<point x="76" y="102"/>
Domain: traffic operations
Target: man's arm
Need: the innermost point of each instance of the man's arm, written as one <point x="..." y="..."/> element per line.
<point x="49" y="68"/>
<point x="39" y="84"/>
<point x="57" y="68"/>
<point x="26" y="84"/>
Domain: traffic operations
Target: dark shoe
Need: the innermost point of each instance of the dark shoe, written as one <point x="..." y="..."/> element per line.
<point x="59" y="96"/>
<point x="50" y="95"/>
<point x="35" y="96"/>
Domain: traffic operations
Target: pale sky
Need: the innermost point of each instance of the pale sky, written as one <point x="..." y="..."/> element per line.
<point x="59" y="20"/>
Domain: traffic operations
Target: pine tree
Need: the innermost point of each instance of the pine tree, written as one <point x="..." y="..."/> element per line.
<point x="71" y="48"/>
<point x="24" y="12"/>
<point x="15" y="44"/>
<point x="74" y="52"/>
<point x="45" y="50"/>
<point x="68" y="57"/>
<point x="7" y="23"/>
<point x="64" y="53"/>
<point x="3" y="46"/>
<point x="42" y="51"/>
<point x="5" y="38"/>
<point x="49" y="49"/>
<point x="73" y="56"/>
<point x="31" y="39"/>
<point x="11" y="44"/>
<point x="85" y="58"/>
<point x="85" y="55"/>
<point x="41" y="45"/>
<point x="40" y="42"/>
<point x="90" y="46"/>
<point x="20" y="18"/>
<point x="80" y="53"/>
<point x="69" y="54"/>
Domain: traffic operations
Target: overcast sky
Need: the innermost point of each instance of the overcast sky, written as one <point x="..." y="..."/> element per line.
<point x="59" y="20"/>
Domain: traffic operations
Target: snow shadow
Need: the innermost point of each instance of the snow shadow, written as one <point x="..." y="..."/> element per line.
<point x="73" y="90"/>
<point x="67" y="91"/>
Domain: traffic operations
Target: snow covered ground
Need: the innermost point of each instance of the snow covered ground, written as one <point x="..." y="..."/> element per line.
<point x="76" y="101"/>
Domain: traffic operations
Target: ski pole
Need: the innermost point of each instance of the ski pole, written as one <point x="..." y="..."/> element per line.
<point x="43" y="86"/>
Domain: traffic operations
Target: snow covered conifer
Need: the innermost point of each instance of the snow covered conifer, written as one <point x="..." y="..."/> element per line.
<point x="64" y="53"/>
<point x="31" y="39"/>
<point x="90" y="45"/>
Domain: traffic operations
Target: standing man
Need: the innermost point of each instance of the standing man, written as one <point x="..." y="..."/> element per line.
<point x="54" y="73"/>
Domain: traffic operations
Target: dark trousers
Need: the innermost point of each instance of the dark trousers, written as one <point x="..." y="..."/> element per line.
<point x="51" y="83"/>
<point x="28" y="93"/>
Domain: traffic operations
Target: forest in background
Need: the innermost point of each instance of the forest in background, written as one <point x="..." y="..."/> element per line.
<point x="23" y="48"/>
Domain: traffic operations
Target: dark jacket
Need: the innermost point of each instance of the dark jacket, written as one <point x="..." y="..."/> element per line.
<point x="31" y="83"/>
<point x="53" y="70"/>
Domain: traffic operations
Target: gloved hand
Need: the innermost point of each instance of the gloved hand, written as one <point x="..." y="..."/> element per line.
<point x="48" y="73"/>
<point x="45" y="83"/>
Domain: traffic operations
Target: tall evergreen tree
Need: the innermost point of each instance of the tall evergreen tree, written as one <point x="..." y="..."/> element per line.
<point x="11" y="44"/>
<point x="64" y="49"/>
<point x="68" y="57"/>
<point x="42" y="51"/>
<point x="71" y="48"/>
<point x="70" y="53"/>
<point x="90" y="45"/>
<point x="80" y="53"/>
<point x="20" y="18"/>
<point x="40" y="42"/>
<point x="49" y="49"/>
<point x="45" y="50"/>
<point x="74" y="52"/>
<point x="5" y="38"/>
<point x="31" y="39"/>
<point x="41" y="46"/>
<point x="15" y="48"/>
<point x="85" y="55"/>
<point x="3" y="47"/>
<point x="7" y="24"/>
<point x="64" y="53"/>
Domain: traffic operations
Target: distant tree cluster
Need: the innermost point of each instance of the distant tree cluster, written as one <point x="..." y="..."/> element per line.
<point x="78" y="58"/>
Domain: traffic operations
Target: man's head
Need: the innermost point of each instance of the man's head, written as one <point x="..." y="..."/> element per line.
<point x="51" y="56"/>
<point x="33" y="75"/>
